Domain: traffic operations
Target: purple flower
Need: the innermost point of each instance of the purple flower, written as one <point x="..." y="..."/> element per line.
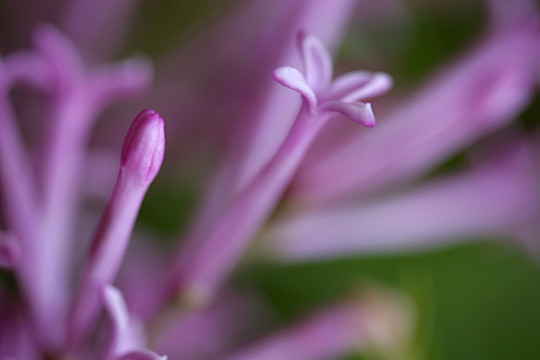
<point x="344" y="192"/>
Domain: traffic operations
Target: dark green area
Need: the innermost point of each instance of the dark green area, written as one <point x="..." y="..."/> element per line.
<point x="479" y="301"/>
<point x="163" y="25"/>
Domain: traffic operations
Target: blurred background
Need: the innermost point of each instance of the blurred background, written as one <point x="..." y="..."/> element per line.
<point x="473" y="299"/>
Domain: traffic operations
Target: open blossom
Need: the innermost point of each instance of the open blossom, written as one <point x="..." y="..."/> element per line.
<point x="323" y="95"/>
<point x="293" y="179"/>
<point x="200" y="271"/>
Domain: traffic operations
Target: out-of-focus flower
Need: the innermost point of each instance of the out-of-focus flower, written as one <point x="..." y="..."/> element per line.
<point x="342" y="193"/>
<point x="439" y="212"/>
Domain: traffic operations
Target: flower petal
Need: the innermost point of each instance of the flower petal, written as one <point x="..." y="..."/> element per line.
<point x="360" y="85"/>
<point x="126" y="333"/>
<point x="294" y="80"/>
<point x="317" y="61"/>
<point x="360" y="113"/>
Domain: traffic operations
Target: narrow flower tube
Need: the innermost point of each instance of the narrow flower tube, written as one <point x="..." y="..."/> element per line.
<point x="76" y="96"/>
<point x="183" y="335"/>
<point x="142" y="155"/>
<point x="481" y="93"/>
<point x="493" y="201"/>
<point x="201" y="269"/>
<point x="326" y="335"/>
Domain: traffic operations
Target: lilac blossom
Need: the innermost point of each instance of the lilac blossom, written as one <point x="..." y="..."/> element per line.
<point x="200" y="272"/>
<point x="41" y="226"/>
<point x="360" y="193"/>
<point x="359" y="324"/>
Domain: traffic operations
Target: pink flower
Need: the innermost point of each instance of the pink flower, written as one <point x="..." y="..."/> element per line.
<point x="291" y="180"/>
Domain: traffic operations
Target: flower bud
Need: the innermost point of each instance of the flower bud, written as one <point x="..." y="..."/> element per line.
<point x="143" y="149"/>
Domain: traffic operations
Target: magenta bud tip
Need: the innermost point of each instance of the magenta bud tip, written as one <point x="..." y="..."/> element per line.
<point x="144" y="146"/>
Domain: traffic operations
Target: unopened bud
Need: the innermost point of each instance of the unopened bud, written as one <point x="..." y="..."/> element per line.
<point x="143" y="149"/>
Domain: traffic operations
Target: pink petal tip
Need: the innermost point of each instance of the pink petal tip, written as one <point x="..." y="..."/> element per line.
<point x="144" y="147"/>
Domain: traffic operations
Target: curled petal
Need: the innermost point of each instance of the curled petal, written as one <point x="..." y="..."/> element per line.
<point x="141" y="355"/>
<point x="126" y="336"/>
<point x="360" y="113"/>
<point x="10" y="251"/>
<point x="66" y="66"/>
<point x="294" y="80"/>
<point x="360" y="86"/>
<point x="317" y="61"/>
